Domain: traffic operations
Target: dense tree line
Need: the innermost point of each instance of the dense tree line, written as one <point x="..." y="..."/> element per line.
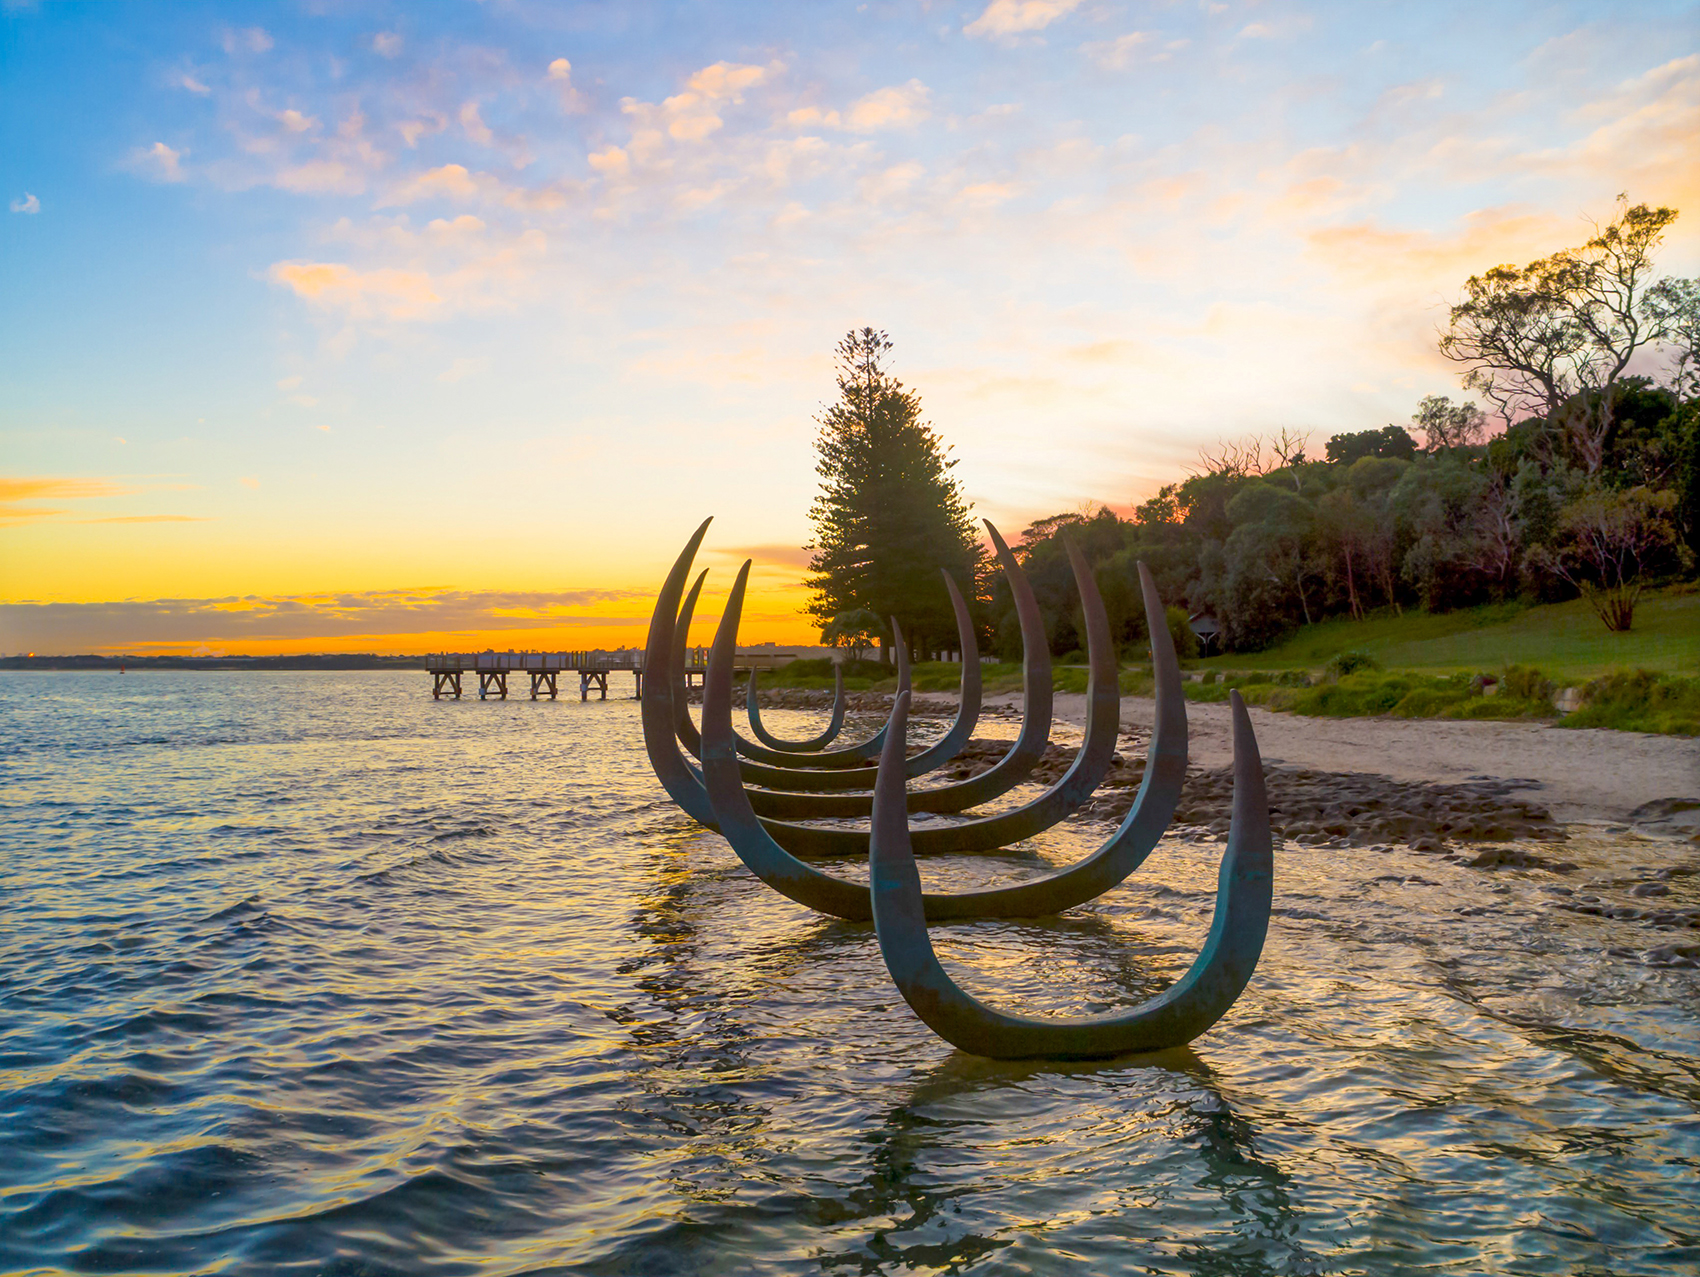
<point x="1595" y="490"/>
<point x="1389" y="523"/>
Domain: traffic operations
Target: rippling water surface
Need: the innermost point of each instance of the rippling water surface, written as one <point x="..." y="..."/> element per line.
<point x="309" y="973"/>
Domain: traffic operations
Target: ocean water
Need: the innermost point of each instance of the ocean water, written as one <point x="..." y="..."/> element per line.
<point x="307" y="973"/>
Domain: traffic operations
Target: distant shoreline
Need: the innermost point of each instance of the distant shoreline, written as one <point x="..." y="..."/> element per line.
<point x="309" y="661"/>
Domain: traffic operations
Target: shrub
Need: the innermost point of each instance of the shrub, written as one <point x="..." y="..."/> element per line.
<point x="1640" y="701"/>
<point x="1180" y="630"/>
<point x="1427" y="702"/>
<point x="1501" y="706"/>
<point x="1351" y="663"/>
<point x="1524" y="682"/>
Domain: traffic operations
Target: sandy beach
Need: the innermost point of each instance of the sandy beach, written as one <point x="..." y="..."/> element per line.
<point x="1585" y="775"/>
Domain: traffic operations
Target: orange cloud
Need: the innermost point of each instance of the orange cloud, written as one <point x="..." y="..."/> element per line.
<point x="14" y="492"/>
<point x="395" y="294"/>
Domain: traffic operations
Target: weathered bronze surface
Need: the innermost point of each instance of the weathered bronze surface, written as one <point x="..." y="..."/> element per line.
<point x="1190" y="1006"/>
<point x="717" y="797"/>
<point x="753" y="710"/>
<point x="1052" y="893"/>
<point x="989" y="833"/>
<point x="818" y="806"/>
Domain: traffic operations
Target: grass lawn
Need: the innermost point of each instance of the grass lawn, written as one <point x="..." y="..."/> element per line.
<point x="1566" y="640"/>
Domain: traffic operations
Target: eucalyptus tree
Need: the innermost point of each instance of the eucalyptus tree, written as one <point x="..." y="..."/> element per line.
<point x="1555" y="338"/>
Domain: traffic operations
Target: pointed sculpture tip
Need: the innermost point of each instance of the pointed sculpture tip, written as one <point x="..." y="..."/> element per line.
<point x="1075" y="557"/>
<point x="1245" y="740"/>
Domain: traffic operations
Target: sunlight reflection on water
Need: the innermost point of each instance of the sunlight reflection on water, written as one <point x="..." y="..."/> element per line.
<point x="307" y="972"/>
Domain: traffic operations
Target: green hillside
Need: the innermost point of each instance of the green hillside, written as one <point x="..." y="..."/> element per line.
<point x="1564" y="639"/>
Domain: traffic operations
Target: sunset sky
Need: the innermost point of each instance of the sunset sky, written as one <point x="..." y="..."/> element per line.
<point x="404" y="327"/>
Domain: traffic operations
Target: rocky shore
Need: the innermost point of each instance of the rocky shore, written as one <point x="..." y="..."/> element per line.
<point x="1478" y="819"/>
<point x="1434" y="784"/>
<point x="1314" y="808"/>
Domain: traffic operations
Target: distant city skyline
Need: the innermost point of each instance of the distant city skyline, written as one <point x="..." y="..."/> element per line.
<point x="379" y="327"/>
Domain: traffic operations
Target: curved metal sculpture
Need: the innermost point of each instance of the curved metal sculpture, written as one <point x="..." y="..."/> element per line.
<point x="1177" y="1016"/>
<point x="684" y="783"/>
<point x="858" y="756"/>
<point x="752" y="710"/>
<point x="716" y="796"/>
<point x="1016" y="765"/>
<point x="1010" y="770"/>
<point x="1056" y="803"/>
<point x="856" y="776"/>
<point x="817" y="806"/>
<point x="1123" y="853"/>
<point x="658" y="710"/>
<point x="937" y="754"/>
<point x="1168" y="741"/>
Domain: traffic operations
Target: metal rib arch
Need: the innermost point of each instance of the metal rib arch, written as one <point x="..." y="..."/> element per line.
<point x="1188" y="1008"/>
<point x="683" y="782"/>
<point x="796" y="799"/>
<point x="825" y="738"/>
<point x="1053" y="893"/>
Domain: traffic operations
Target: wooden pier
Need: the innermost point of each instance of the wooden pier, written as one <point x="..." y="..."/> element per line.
<point x="544" y="669"/>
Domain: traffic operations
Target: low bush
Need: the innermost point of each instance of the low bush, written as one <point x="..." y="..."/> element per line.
<point x="1501" y="706"/>
<point x="1525" y="682"/>
<point x="1351" y="663"/>
<point x="1640" y="701"/>
<point x="859" y="676"/>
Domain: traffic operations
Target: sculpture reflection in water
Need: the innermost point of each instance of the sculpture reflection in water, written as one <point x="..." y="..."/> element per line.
<point x="718" y="795"/>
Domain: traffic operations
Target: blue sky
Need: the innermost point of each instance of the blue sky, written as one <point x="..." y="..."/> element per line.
<point x="325" y="306"/>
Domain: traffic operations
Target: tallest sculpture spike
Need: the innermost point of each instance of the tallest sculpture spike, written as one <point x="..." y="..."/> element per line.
<point x="658" y="707"/>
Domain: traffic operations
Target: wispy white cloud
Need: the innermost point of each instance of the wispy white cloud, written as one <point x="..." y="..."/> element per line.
<point x="387" y="44"/>
<point x="560" y="74"/>
<point x="446" y="267"/>
<point x="247" y="40"/>
<point x="159" y="162"/>
<point x="1117" y="54"/>
<point x="1015" y="17"/>
<point x="26" y="203"/>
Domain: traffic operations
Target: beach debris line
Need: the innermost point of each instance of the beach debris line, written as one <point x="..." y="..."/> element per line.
<point x="718" y="795"/>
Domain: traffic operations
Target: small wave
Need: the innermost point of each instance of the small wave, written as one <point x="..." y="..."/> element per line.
<point x="438" y="857"/>
<point x="454" y="835"/>
<point x="247" y="907"/>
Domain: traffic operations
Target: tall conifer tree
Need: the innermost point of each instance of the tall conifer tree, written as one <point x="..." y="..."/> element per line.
<point x="889" y="514"/>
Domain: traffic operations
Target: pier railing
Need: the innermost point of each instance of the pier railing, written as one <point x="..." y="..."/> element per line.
<point x="545" y="668"/>
<point x="530" y="662"/>
<point x="696" y="658"/>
